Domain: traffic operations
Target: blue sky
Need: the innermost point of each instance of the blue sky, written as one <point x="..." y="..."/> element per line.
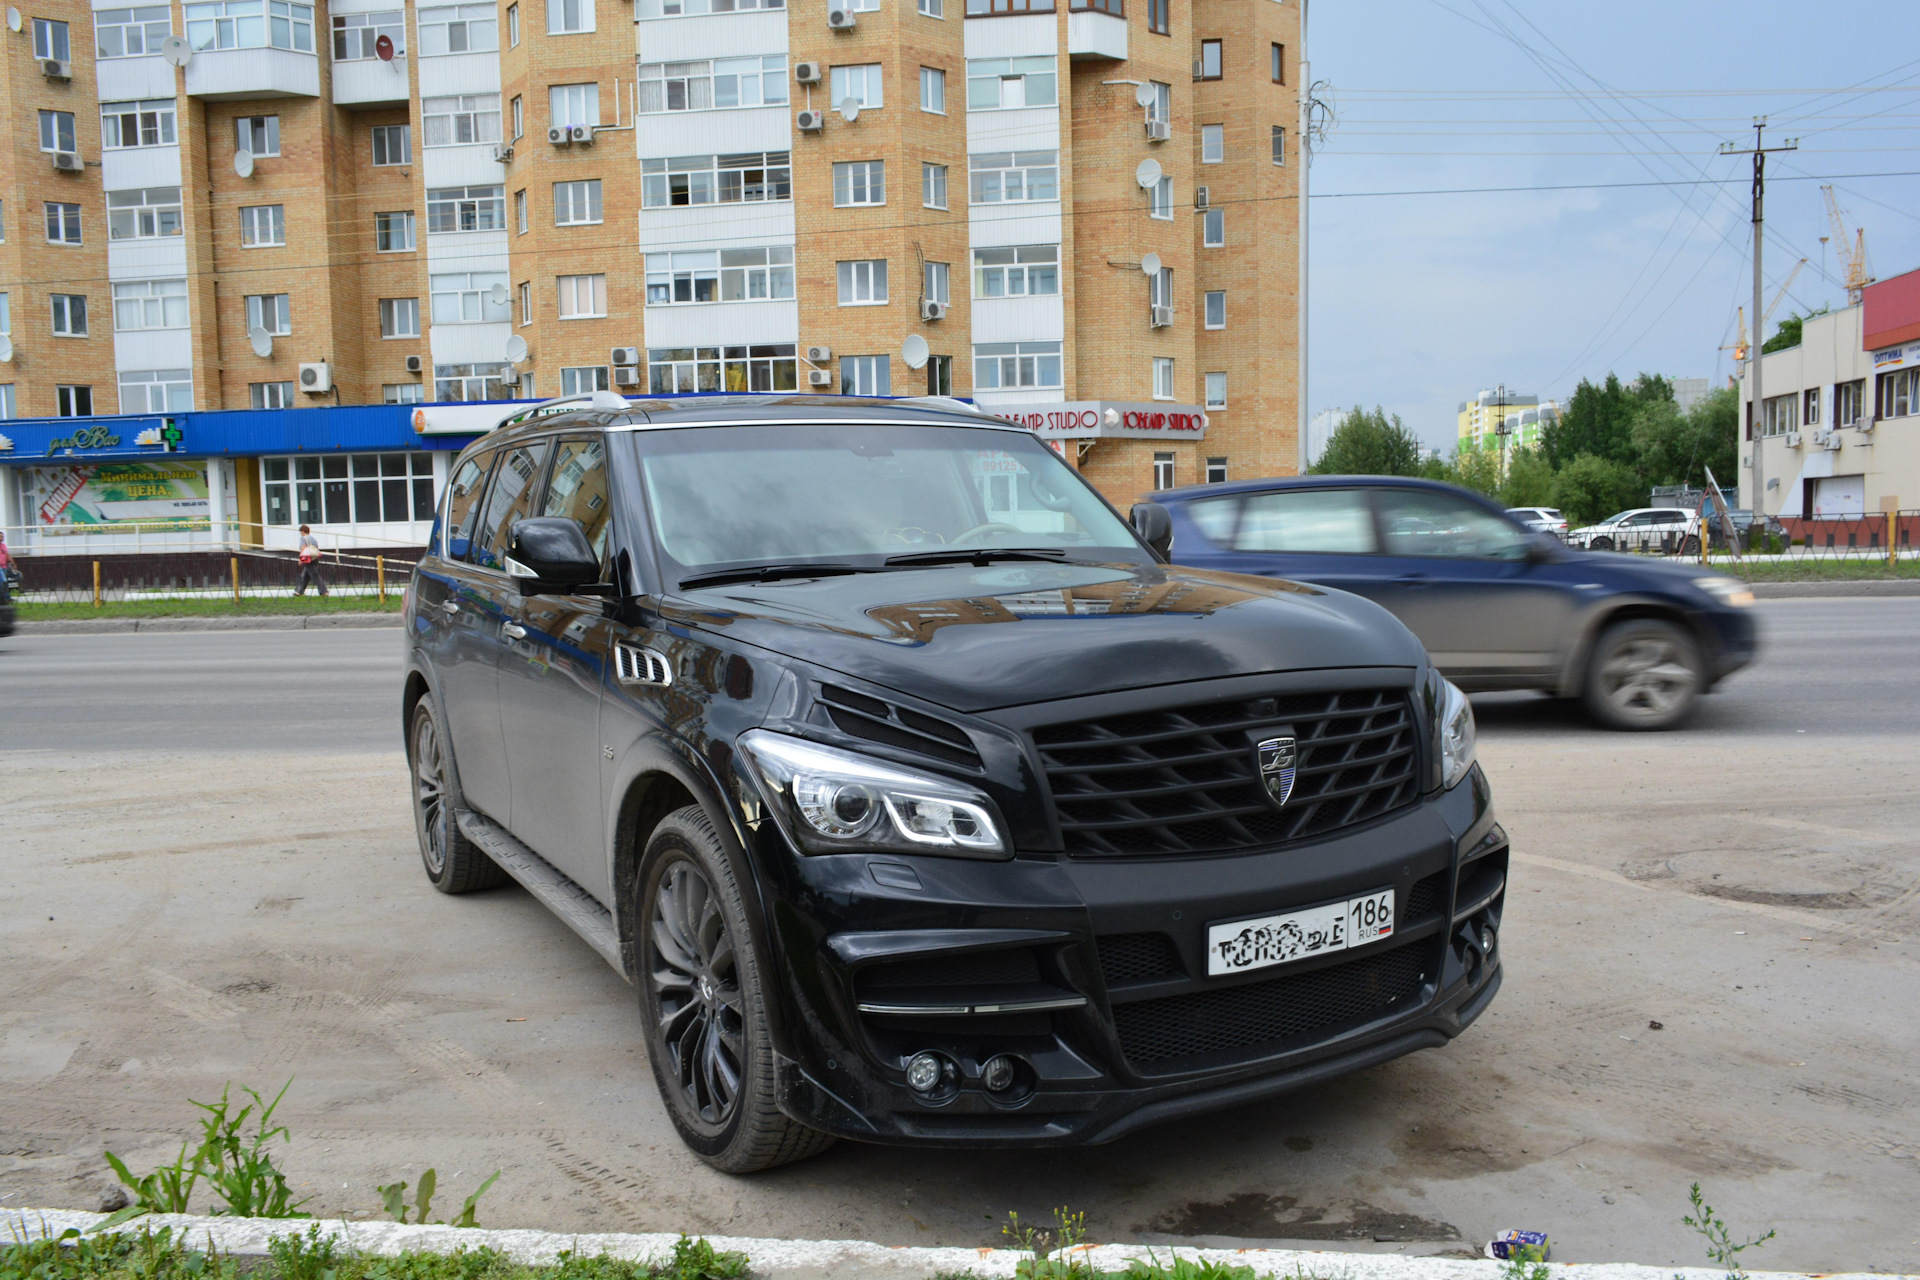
<point x="1419" y="301"/>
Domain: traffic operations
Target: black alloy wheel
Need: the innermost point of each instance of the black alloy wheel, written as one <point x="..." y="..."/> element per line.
<point x="695" y="978"/>
<point x="454" y="864"/>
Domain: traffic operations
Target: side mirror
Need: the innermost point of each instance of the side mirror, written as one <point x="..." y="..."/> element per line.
<point x="1155" y="527"/>
<point x="1542" y="548"/>
<point x="554" y="552"/>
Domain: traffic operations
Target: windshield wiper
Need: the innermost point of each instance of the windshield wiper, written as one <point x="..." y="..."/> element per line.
<point x="977" y="555"/>
<point x="772" y="573"/>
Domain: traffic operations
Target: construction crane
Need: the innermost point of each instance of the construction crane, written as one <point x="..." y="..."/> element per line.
<point x="1739" y="347"/>
<point x="1851" y="250"/>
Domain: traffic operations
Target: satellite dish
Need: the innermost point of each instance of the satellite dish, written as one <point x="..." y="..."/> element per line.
<point x="1148" y="174"/>
<point x="1144" y="95"/>
<point x="516" y="347"/>
<point x="6" y="349"/>
<point x="176" y="51"/>
<point x="383" y="48"/>
<point x="1150" y="264"/>
<point x="914" y="351"/>
<point x="243" y="163"/>
<point x="13" y="19"/>
<point x="849" y="109"/>
<point x="497" y="295"/>
<point x="262" y="340"/>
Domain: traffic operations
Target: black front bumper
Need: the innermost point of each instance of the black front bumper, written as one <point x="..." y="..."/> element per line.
<point x="1091" y="974"/>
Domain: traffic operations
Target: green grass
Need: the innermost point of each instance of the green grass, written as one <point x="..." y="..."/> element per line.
<point x="1818" y="570"/>
<point x="249" y="607"/>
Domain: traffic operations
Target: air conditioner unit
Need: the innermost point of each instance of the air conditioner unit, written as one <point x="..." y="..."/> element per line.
<point x="839" y="17"/>
<point x="931" y="310"/>
<point x="819" y="355"/>
<point x="1159" y="130"/>
<point x="1162" y="317"/>
<point x="807" y="72"/>
<point x="582" y="134"/>
<point x="1863" y="425"/>
<point x="625" y="355"/>
<point x="1201" y="197"/>
<point x="54" y="69"/>
<point x="1793" y="439"/>
<point x="819" y="378"/>
<point x="68" y="161"/>
<point x="316" y="378"/>
<point x="810" y="121"/>
<point x="625" y="375"/>
<point x="560" y="135"/>
<point x="502" y="153"/>
<point x="415" y="364"/>
<point x="1825" y="440"/>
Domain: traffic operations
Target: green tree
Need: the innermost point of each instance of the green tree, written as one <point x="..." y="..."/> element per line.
<point x="1591" y="488"/>
<point x="1788" y="334"/>
<point x="1370" y="444"/>
<point x="1476" y="469"/>
<point x="1671" y="447"/>
<point x="1599" y="420"/>
<point x="1529" y="480"/>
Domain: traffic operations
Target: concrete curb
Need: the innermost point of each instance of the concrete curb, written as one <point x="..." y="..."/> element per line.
<point x="1862" y="588"/>
<point x="832" y="1259"/>
<point x="256" y="622"/>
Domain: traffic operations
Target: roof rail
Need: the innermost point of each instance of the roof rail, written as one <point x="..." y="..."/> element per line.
<point x="608" y="400"/>
<point x="946" y="402"/>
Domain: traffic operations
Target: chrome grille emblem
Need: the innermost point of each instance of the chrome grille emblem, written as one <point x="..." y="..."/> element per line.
<point x="1276" y="756"/>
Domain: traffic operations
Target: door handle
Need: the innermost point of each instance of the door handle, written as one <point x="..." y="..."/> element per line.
<point x="449" y="607"/>
<point x="513" y="631"/>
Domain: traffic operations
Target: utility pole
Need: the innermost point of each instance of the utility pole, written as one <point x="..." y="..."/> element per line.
<point x="1303" y="149"/>
<point x="1757" y="502"/>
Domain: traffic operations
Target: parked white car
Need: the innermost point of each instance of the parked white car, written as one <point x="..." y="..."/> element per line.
<point x="1655" y="529"/>
<point x="1541" y="519"/>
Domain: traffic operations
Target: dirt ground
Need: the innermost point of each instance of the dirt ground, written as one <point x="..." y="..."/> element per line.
<point x="247" y="904"/>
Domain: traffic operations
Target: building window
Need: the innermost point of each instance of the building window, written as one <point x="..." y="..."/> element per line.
<point x="933" y="8"/>
<point x="995" y="8"/>
<point x="262" y="225"/>
<point x="1213" y="228"/>
<point x="7" y="405"/>
<point x="1847" y="398"/>
<point x="933" y="185"/>
<point x="1003" y="177"/>
<point x="250" y="24"/>
<point x="934" y="283"/>
<point x="1160" y="288"/>
<point x="467" y="209"/>
<point x="513" y="26"/>
<point x="156" y="390"/>
<point x="63" y="223"/>
<point x="1158" y="19"/>
<point x="517" y="109"/>
<point x="1279" y="145"/>
<point x="399" y="317"/>
<point x="1010" y="365"/>
<point x="1216" y="311"/>
<point x="728" y="179"/>
<point x="526" y="302"/>
<point x="143" y="214"/>
<point x="131" y="33"/>
<point x="460" y="119"/>
<point x="1160" y="200"/>
<point x="520" y="210"/>
<point x="258" y="135"/>
<point x="720" y="275"/>
<point x="576" y="203"/>
<point x="1279" y="61"/>
<point x="859" y="182"/>
<point x="467" y="297"/>
<point x="149" y="304"/>
<point x="1209" y="60"/>
<point x="863" y="283"/>
<point x="1810" y="411"/>
<point x="569" y="17"/>
<point x="360" y="488"/>
<point x="866" y="375"/>
<point x="1015" y="271"/>
<point x="56" y="131"/>
<point x="1160" y="105"/>
<point x="51" y="40"/>
<point x="458" y="28"/>
<point x="270" y="311"/>
<point x="469" y="382"/>
<point x="583" y="297"/>
<point x="1216" y="391"/>
<point x="1163" y="377"/>
<point x="766" y="367"/>
<point x="69" y="315"/>
<point x="690" y="8"/>
<point x="1213" y="143"/>
<point x="939" y="375"/>
<point x="392" y="144"/>
<point x="580" y="380"/>
<point x="404" y="393"/>
<point x="933" y="90"/>
<point x="1216" y="470"/>
<point x="1006" y="83"/>
<point x="356" y="36"/>
<point x="6" y="311"/>
<point x="1899" y="396"/>
<point x="573" y="104"/>
<point x="137" y="124"/>
<point x="861" y="83"/>
<point x="1782" y="413"/>
<point x="703" y="86"/>
<point x="393" y="232"/>
<point x="271" y="395"/>
<point x="1163" y="468"/>
<point x="1117" y="8"/>
<point x="73" y="402"/>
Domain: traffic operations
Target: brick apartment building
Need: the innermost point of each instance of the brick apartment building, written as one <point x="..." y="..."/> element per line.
<point x="351" y="203"/>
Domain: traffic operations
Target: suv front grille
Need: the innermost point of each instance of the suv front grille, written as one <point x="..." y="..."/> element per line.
<point x="1187" y="780"/>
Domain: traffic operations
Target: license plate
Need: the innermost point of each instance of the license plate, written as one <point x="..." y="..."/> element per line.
<point x="1279" y="939"/>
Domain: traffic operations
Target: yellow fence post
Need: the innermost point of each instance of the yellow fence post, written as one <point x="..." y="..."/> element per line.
<point x="96" y="584"/>
<point x="236" y="580"/>
<point x="380" y="573"/>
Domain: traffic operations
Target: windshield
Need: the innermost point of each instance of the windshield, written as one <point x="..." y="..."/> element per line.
<point x="724" y="497"/>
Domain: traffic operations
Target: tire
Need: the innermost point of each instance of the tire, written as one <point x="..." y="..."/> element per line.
<point x="1691" y="546"/>
<point x="454" y="864"/>
<point x="703" y="1004"/>
<point x="1600" y="544"/>
<point x="1643" y="674"/>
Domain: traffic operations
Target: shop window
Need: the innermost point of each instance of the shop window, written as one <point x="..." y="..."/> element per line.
<point x="361" y="488"/>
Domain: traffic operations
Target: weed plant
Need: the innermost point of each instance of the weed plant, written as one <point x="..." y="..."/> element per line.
<point x="236" y="1165"/>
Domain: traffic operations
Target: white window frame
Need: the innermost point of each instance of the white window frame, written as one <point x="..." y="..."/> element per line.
<point x="264" y="130"/>
<point x="65" y="311"/>
<point x="863" y="282"/>
<point x="1016" y="271"/>
<point x="1216" y="470"/>
<point x="1163" y="377"/>
<point x="1160" y="288"/>
<point x="52" y="38"/>
<point x="63" y="217"/>
<point x="270" y="311"/>
<point x="399" y="318"/>
<point x="712" y="84"/>
<point x="569" y="17"/>
<point x="1163" y="471"/>
<point x="991" y="81"/>
<point x="933" y="91"/>
<point x="933" y="8"/>
<point x="1213" y="228"/>
<point x="153" y="304"/>
<point x="583" y="297"/>
<point x="646" y="10"/>
<point x="989" y="177"/>
<point x="465" y="297"/>
<point x="513" y="26"/>
<point x="859" y="184"/>
<point x="67" y="400"/>
<point x="402" y="393"/>
<point x="1160" y="200"/>
<point x="759" y="273"/>
<point x="710" y="184"/>
<point x="526" y="303"/>
<point x="475" y="28"/>
<point x="144" y="213"/>
<point x="57" y="131"/>
<point x="517" y="113"/>
<point x="174" y="388"/>
<point x="381" y="139"/>
<point x="155" y="26"/>
<point x="1034" y="365"/>
<point x="155" y="117"/>
<point x="520" y="211"/>
<point x="476" y="115"/>
<point x="577" y="203"/>
<point x="936" y="283"/>
<point x="861" y="81"/>
<point x="1213" y="144"/>
<point x="1215" y="306"/>
<point x="574" y="104"/>
<point x="581" y="379"/>
<point x="933" y="185"/>
<point x="385" y="224"/>
<point x="270" y="395"/>
<point x="263" y="226"/>
<point x="249" y="24"/>
<point x="486" y="380"/>
<point x="1216" y="391"/>
<point x="1279" y="144"/>
<point x="866" y="376"/>
<point x="487" y="205"/>
<point x="356" y="36"/>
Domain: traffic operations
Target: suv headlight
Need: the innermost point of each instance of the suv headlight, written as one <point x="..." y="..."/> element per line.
<point x="833" y="801"/>
<point x="1729" y="591"/>
<point x="1456" y="734"/>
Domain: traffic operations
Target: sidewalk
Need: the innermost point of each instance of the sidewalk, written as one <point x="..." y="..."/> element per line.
<point x="244" y="622"/>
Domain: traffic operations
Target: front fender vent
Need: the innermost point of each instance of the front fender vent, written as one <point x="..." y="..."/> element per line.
<point x="635" y="665"/>
<point x="876" y="720"/>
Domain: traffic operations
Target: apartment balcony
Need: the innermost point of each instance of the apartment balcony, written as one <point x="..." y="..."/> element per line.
<point x="1093" y="34"/>
<point x="236" y="75"/>
<point x="368" y="82"/>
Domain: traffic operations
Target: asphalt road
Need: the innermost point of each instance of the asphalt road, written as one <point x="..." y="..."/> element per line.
<point x="211" y="875"/>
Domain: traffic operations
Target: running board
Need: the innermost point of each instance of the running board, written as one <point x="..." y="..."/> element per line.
<point x="577" y="909"/>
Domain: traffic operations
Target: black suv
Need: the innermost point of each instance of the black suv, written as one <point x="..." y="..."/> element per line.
<point x="921" y="798"/>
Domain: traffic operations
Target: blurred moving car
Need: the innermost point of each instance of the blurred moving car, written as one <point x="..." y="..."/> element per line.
<point x="1498" y="607"/>
<point x="1541" y="519"/>
<point x="1670" y="529"/>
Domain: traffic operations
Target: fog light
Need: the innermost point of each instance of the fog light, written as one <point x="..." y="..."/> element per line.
<point x="924" y="1072"/>
<point x="999" y="1073"/>
<point x="1486" y="939"/>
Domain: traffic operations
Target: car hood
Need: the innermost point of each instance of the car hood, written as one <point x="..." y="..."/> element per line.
<point x="978" y="638"/>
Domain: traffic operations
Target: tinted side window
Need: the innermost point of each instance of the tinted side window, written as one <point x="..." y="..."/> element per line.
<point x="577" y="489"/>
<point x="1319" y="521"/>
<point x="1421" y="522"/>
<point x="463" y="500"/>
<point x="510" y="498"/>
<point x="1215" y="517"/>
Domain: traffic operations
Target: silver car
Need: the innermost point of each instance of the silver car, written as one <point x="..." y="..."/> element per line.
<point x="1541" y="520"/>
